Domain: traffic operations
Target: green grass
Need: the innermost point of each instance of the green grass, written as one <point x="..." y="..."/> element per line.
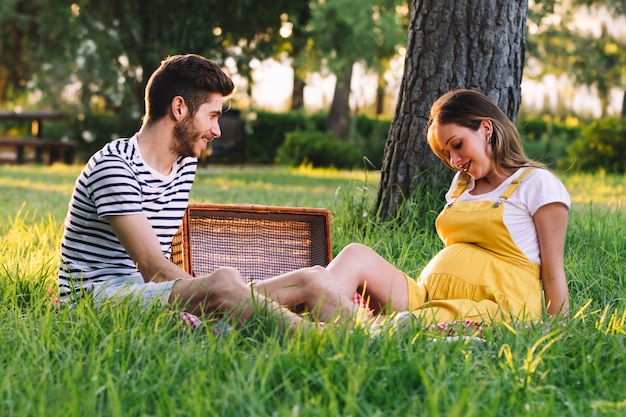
<point x="123" y="361"/>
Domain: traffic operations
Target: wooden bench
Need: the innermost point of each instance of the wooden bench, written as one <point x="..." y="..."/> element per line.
<point x="16" y="150"/>
<point x="19" y="150"/>
<point x="260" y="241"/>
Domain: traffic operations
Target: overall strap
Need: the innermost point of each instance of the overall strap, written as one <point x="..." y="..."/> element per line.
<point x="508" y="192"/>
<point x="460" y="186"/>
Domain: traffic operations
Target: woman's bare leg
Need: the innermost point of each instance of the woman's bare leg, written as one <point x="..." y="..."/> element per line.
<point x="330" y="291"/>
<point x="314" y="288"/>
<point x="359" y="268"/>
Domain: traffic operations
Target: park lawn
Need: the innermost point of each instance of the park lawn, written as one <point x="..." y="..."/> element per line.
<point x="123" y="361"/>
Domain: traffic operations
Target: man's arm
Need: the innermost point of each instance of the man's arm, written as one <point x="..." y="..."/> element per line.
<point x="141" y="243"/>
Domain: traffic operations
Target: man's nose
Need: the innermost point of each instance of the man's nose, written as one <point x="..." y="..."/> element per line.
<point x="216" y="131"/>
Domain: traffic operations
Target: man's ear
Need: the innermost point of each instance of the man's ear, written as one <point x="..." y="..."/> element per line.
<point x="178" y="108"/>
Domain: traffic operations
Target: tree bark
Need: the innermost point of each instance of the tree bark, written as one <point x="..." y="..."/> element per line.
<point x="475" y="44"/>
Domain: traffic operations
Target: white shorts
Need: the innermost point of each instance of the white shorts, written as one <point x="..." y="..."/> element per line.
<point x="135" y="288"/>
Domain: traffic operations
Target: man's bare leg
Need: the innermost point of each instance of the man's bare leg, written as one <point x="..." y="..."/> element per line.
<point x="224" y="291"/>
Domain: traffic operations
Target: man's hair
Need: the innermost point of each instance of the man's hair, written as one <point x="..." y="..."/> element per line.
<point x="190" y="76"/>
<point x="469" y="108"/>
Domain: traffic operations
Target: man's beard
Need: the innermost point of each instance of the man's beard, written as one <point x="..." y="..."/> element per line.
<point x="186" y="136"/>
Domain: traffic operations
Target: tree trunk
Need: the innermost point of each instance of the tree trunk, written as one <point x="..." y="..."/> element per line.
<point x="4" y="83"/>
<point x="299" y="42"/>
<point x="380" y="94"/>
<point x="623" y="113"/>
<point x="297" y="95"/>
<point x="475" y="44"/>
<point x="339" y="114"/>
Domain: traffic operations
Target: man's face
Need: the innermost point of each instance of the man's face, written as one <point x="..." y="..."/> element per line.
<point x="192" y="133"/>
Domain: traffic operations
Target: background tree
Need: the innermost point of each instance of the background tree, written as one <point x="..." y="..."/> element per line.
<point x="105" y="50"/>
<point x="476" y="44"/>
<point x="144" y="32"/>
<point x="297" y="44"/>
<point x="348" y="31"/>
<point x="556" y="45"/>
<point x="31" y="31"/>
<point x="391" y="34"/>
<point x="17" y="27"/>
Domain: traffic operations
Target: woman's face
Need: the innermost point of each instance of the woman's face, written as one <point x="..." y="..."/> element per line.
<point x="466" y="149"/>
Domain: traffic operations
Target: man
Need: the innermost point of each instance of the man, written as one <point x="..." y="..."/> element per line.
<point x="130" y="198"/>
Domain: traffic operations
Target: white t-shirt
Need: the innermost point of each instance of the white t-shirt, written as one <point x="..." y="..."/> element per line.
<point x="117" y="181"/>
<point x="538" y="188"/>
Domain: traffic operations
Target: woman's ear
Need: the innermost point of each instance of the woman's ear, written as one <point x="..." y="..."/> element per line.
<point x="487" y="127"/>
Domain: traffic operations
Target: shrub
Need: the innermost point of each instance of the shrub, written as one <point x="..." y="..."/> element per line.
<point x="546" y="138"/>
<point x="602" y="146"/>
<point x="318" y="149"/>
<point x="93" y="130"/>
<point x="265" y="132"/>
<point x="370" y="136"/>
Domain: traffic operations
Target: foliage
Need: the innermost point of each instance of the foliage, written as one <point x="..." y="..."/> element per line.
<point x="371" y="33"/>
<point x="319" y="149"/>
<point x="96" y="56"/>
<point x="118" y="359"/>
<point x="36" y="35"/>
<point x="546" y="138"/>
<point x="615" y="6"/>
<point x="93" y="130"/>
<point x="110" y="48"/>
<point x="88" y="56"/>
<point x="265" y="132"/>
<point x="370" y="135"/>
<point x="556" y="45"/>
<point x="145" y="35"/>
<point x="601" y="147"/>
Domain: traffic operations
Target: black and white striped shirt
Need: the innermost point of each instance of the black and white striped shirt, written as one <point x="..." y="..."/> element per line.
<point x="116" y="181"/>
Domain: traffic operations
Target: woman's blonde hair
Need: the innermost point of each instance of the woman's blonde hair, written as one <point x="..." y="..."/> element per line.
<point x="469" y="108"/>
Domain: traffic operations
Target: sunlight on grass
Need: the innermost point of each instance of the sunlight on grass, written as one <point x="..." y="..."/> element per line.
<point x="524" y="374"/>
<point x="26" y="244"/>
<point x="30" y="185"/>
<point x="335" y="173"/>
<point x="615" y="323"/>
<point x="43" y="190"/>
<point x="259" y="187"/>
<point x="275" y="185"/>
<point x="609" y="406"/>
<point x="600" y="189"/>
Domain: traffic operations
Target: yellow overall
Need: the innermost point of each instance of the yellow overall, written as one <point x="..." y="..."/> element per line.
<point x="481" y="274"/>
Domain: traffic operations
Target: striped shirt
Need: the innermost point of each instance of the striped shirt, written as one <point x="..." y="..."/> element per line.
<point x="116" y="181"/>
